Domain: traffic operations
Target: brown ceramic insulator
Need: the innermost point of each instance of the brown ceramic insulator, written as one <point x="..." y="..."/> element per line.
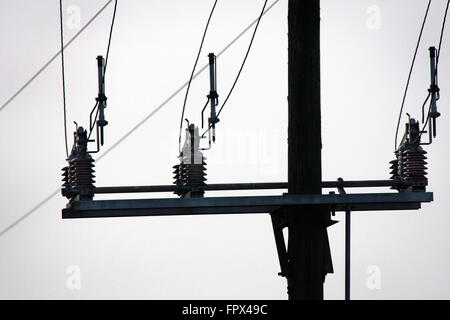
<point x="414" y="164"/>
<point x="81" y="175"/>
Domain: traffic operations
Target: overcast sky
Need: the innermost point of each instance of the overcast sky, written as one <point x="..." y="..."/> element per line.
<point x="366" y="51"/>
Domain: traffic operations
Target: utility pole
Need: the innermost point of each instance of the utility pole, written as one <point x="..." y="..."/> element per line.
<point x="304" y="210"/>
<point x="308" y="248"/>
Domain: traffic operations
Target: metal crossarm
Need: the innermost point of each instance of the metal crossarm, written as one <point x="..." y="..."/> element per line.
<point x="250" y="186"/>
<point x="305" y="256"/>
<point x="241" y="205"/>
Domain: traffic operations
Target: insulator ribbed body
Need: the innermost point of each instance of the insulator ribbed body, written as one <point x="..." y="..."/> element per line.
<point x="78" y="176"/>
<point x="394" y="169"/>
<point x="66" y="188"/>
<point x="81" y="175"/>
<point x="178" y="181"/>
<point x="190" y="178"/>
<point x="400" y="161"/>
<point x="194" y="175"/>
<point x="394" y="172"/>
<point x="414" y="168"/>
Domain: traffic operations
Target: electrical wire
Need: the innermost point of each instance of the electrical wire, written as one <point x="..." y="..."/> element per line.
<point x="441" y="37"/>
<point x="410" y="72"/>
<point x="423" y="106"/>
<point x="63" y="77"/>
<point x="435" y="73"/>
<point x="37" y="73"/>
<point x="192" y="74"/>
<point x="425" y="124"/>
<point x="91" y="126"/>
<point x="92" y="123"/>
<point x="136" y="127"/>
<point x="242" y="66"/>
<point x="245" y="59"/>
<point x="203" y="110"/>
<point x="110" y="37"/>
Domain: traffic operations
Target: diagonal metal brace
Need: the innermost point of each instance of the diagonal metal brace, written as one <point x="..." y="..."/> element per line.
<point x="279" y="222"/>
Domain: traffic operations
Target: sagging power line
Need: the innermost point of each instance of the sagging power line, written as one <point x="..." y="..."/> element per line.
<point x="61" y="26"/>
<point x="304" y="210"/>
<point x="192" y="74"/>
<point x="434" y="113"/>
<point x="409" y="181"/>
<point x="211" y="126"/>
<point x="140" y="123"/>
<point x="37" y="73"/>
<point x="190" y="172"/>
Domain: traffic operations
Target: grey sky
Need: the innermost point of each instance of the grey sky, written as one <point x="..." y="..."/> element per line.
<point x="365" y="61"/>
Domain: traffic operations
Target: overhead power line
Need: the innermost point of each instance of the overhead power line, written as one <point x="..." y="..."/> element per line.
<point x="61" y="27"/>
<point x="436" y="72"/>
<point x="92" y="125"/>
<point x="410" y="73"/>
<point x="110" y="36"/>
<point x="192" y="73"/>
<point x="139" y="124"/>
<point x="242" y="64"/>
<point x="63" y="72"/>
<point x="176" y="92"/>
<point x="5" y="104"/>
<point x="442" y="34"/>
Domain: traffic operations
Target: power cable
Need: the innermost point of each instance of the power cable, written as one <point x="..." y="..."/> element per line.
<point x="410" y="73"/>
<point x="423" y="106"/>
<point x="91" y="126"/>
<point x="62" y="74"/>
<point x="242" y="66"/>
<point x="138" y="125"/>
<point x="435" y="73"/>
<point x="192" y="74"/>
<point x="441" y="36"/>
<point x="5" y="104"/>
<point x="110" y="37"/>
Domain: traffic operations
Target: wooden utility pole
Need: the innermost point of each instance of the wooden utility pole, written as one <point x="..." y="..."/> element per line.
<point x="308" y="248"/>
<point x="304" y="210"/>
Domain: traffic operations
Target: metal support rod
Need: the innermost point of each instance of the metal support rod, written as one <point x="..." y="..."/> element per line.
<point x="242" y="205"/>
<point x="434" y="90"/>
<point x="213" y="97"/>
<point x="191" y="135"/>
<point x="347" y="253"/>
<point x="101" y="122"/>
<point x="247" y="186"/>
<point x="342" y="191"/>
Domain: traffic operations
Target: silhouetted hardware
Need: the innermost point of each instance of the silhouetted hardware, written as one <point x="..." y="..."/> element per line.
<point x="101" y="99"/>
<point x="98" y="122"/>
<point x="213" y="99"/>
<point x="78" y="176"/>
<point x="410" y="164"/>
<point x="407" y="171"/>
<point x="395" y="170"/>
<point x="253" y="186"/>
<point x="213" y="96"/>
<point x="243" y="205"/>
<point x="190" y="173"/>
<point x="434" y="91"/>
